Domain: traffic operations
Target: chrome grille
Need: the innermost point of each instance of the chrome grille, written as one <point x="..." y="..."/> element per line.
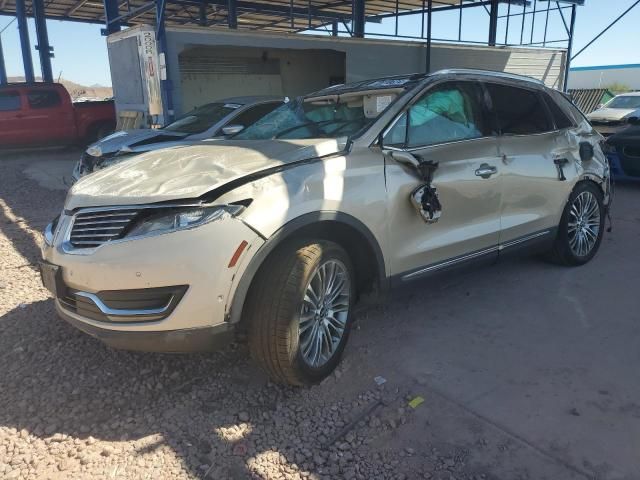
<point x="93" y="228"/>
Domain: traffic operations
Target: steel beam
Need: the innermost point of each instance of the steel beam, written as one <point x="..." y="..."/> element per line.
<point x="429" y="15"/>
<point x="567" y="67"/>
<point x="607" y="29"/>
<point x="45" y="51"/>
<point x="3" y="69"/>
<point x="358" y="18"/>
<point x="165" y="84"/>
<point x="493" y="22"/>
<point x="112" y="17"/>
<point x="232" y="14"/>
<point x="25" y="44"/>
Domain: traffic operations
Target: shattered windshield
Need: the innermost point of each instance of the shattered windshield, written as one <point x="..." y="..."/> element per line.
<point x="201" y="118"/>
<point x="625" y="102"/>
<point x="329" y="116"/>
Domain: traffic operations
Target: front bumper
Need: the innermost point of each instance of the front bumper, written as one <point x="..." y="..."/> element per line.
<point x="172" y="341"/>
<point x="197" y="259"/>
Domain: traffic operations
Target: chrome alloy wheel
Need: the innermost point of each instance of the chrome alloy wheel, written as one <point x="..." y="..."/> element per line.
<point x="584" y="224"/>
<point x="325" y="309"/>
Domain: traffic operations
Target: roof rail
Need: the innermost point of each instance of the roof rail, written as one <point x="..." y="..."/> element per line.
<point x="491" y="73"/>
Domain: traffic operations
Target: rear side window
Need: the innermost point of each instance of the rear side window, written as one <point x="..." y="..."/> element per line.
<point x="9" y="101"/>
<point x="253" y="114"/>
<point x="43" y="98"/>
<point x="577" y="116"/>
<point x="560" y="118"/>
<point x="519" y="111"/>
<point x="446" y="113"/>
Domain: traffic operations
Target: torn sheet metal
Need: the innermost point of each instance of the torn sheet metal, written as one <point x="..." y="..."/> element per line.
<point x="425" y="198"/>
<point x="426" y="202"/>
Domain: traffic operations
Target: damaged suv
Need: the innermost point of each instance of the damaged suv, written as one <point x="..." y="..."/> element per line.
<point x="275" y="234"/>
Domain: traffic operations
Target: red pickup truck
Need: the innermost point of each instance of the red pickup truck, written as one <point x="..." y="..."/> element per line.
<point x="34" y="114"/>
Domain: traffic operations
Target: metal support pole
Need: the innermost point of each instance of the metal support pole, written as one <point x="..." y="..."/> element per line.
<point x="546" y="26"/>
<point x="524" y="15"/>
<point x="165" y="85"/>
<point x="460" y="21"/>
<point x="25" y="44"/>
<point x="533" y="18"/>
<point x="111" y="14"/>
<point x="44" y="49"/>
<point x="358" y="18"/>
<point x="3" y="69"/>
<point x="334" y="28"/>
<point x="203" y="14"/>
<point x="232" y="15"/>
<point x="291" y="17"/>
<point x="493" y="23"/>
<point x="506" y="30"/>
<point x="429" y="14"/>
<point x="567" y="67"/>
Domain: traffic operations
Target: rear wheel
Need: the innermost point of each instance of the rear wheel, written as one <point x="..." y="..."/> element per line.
<point x="299" y="311"/>
<point x="581" y="227"/>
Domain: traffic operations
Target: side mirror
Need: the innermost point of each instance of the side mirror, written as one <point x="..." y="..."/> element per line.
<point x="232" y="130"/>
<point x="405" y="158"/>
<point x="633" y="121"/>
<point x="586" y="151"/>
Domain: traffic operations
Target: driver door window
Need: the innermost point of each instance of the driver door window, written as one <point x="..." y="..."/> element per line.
<point x="448" y="113"/>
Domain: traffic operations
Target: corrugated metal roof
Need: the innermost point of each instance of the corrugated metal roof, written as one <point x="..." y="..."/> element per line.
<point x="254" y="14"/>
<point x="588" y="99"/>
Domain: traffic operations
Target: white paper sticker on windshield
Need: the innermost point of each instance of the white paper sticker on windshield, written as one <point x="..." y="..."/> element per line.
<point x="383" y="102"/>
<point x="232" y="105"/>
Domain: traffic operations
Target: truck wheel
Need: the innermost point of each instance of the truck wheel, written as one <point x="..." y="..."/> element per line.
<point x="581" y="227"/>
<point x="299" y="311"/>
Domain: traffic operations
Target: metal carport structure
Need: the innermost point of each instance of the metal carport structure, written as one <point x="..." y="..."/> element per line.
<point x="330" y="17"/>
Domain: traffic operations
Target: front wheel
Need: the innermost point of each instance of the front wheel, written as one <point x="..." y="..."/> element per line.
<point x="581" y="227"/>
<point x="299" y="311"/>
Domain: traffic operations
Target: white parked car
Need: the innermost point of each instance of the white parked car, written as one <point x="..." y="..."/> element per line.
<point x="615" y="114"/>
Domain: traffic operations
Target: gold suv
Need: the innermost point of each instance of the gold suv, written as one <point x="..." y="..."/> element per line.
<point x="277" y="232"/>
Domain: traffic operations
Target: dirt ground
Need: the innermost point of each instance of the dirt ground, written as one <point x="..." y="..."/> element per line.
<point x="527" y="371"/>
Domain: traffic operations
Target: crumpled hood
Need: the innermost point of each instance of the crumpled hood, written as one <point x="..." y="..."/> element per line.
<point x="190" y="171"/>
<point x="116" y="141"/>
<point x="608" y="114"/>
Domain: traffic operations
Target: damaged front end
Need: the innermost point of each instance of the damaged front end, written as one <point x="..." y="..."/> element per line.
<point x="90" y="163"/>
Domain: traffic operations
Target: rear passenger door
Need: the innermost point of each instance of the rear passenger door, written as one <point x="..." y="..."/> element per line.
<point x="446" y="124"/>
<point x="532" y="193"/>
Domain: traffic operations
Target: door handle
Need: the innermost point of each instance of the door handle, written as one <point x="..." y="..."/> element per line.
<point x="486" y="170"/>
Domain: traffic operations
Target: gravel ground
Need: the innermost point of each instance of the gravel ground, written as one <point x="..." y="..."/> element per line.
<point x="73" y="408"/>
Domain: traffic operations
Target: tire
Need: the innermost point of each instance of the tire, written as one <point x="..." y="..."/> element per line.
<point x="571" y="247"/>
<point x="281" y="318"/>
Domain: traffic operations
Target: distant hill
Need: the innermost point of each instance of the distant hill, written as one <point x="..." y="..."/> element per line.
<point x="94" y="92"/>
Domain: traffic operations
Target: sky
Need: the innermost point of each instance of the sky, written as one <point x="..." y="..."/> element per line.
<point x="81" y="52"/>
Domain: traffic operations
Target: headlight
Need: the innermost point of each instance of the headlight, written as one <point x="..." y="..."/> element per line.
<point x="95" y="151"/>
<point x="180" y="218"/>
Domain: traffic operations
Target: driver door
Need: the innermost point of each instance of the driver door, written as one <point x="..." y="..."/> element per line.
<point x="446" y="124"/>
